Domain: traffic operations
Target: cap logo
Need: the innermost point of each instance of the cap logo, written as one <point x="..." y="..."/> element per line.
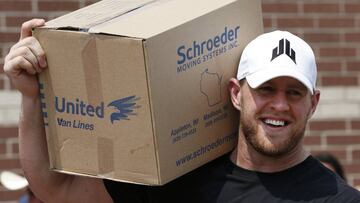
<point x="277" y="51"/>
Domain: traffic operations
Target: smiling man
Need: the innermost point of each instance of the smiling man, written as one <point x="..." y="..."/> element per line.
<point x="276" y="96"/>
<point x="275" y="93"/>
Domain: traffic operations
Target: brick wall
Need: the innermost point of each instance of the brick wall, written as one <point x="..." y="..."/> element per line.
<point x="332" y="28"/>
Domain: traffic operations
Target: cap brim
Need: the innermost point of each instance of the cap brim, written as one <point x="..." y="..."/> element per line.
<point x="256" y="79"/>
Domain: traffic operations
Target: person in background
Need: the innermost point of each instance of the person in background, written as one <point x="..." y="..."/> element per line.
<point x="331" y="162"/>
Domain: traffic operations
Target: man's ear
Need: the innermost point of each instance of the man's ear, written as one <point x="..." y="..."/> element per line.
<point x="314" y="102"/>
<point x="234" y="88"/>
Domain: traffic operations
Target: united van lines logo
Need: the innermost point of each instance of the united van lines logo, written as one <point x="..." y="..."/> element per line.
<point x="277" y="51"/>
<point x="124" y="108"/>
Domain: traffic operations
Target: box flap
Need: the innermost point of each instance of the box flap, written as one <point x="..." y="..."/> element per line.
<point x="138" y="18"/>
<point x="96" y="13"/>
<point x="158" y="17"/>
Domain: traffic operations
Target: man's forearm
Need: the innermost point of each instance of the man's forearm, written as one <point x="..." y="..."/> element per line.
<point x="48" y="185"/>
<point x="33" y="149"/>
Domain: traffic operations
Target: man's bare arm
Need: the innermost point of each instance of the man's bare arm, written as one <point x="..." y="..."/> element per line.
<point x="25" y="60"/>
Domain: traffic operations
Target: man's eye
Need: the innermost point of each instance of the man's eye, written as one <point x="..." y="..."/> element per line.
<point x="294" y="92"/>
<point x="266" y="89"/>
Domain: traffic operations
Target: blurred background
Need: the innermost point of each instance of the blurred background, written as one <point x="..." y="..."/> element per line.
<point x="332" y="28"/>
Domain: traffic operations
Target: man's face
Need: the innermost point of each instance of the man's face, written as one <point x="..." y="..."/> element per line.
<point x="274" y="115"/>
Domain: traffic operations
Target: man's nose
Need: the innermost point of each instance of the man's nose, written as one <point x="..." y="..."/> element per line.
<point x="280" y="102"/>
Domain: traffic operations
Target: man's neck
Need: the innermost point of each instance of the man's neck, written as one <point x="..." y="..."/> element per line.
<point x="248" y="158"/>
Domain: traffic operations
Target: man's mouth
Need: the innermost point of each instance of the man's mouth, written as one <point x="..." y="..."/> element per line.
<point x="275" y="123"/>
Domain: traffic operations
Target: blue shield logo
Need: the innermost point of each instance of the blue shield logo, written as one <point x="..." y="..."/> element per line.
<point x="124" y="107"/>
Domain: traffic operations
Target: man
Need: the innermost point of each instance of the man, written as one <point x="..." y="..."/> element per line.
<point x="275" y="95"/>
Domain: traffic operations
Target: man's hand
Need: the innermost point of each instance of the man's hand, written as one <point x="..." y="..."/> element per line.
<point x="25" y="59"/>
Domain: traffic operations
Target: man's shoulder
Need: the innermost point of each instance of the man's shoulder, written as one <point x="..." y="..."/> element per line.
<point x="345" y="193"/>
<point x="326" y="184"/>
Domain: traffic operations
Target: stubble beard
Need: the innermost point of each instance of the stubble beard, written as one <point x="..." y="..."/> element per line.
<point x="250" y="132"/>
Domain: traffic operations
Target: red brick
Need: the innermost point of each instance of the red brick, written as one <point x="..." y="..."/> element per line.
<point x="2" y="84"/>
<point x="340" y="154"/>
<point x="339" y="80"/>
<point x="7" y="48"/>
<point x="267" y="22"/>
<point x="355" y="125"/>
<point x="7" y="132"/>
<point x="312" y="140"/>
<point x="352" y="37"/>
<point x="9" y="164"/>
<point x="329" y="66"/>
<point x="327" y="125"/>
<point x="295" y="22"/>
<point x="337" y="51"/>
<point x="88" y="2"/>
<point x="352" y="7"/>
<point x="352" y="167"/>
<point x="353" y="66"/>
<point x="9" y="37"/>
<point x="336" y="22"/>
<point x="343" y="139"/>
<point x="357" y="182"/>
<point x="15" y="148"/>
<point x="1" y="68"/>
<point x="321" y="8"/>
<point x="58" y="6"/>
<point x="279" y="8"/>
<point x="10" y="5"/>
<point x="16" y="21"/>
<point x="322" y="37"/>
<point x="2" y="148"/>
<point x="11" y="195"/>
<point x="356" y="154"/>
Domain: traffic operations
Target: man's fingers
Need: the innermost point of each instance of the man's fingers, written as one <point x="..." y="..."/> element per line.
<point x="17" y="65"/>
<point x="22" y="52"/>
<point x="28" y="55"/>
<point x="34" y="46"/>
<point x="39" y="53"/>
<point x="27" y="27"/>
<point x="25" y="59"/>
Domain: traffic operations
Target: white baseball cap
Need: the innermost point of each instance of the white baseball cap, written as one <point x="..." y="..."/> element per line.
<point x="275" y="54"/>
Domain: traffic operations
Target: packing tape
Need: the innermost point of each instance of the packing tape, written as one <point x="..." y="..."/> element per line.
<point x="92" y="75"/>
<point x="105" y="155"/>
<point x="91" y="70"/>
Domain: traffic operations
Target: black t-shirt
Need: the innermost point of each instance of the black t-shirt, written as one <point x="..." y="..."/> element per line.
<point x="223" y="181"/>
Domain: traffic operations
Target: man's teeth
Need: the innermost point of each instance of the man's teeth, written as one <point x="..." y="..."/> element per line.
<point x="274" y="122"/>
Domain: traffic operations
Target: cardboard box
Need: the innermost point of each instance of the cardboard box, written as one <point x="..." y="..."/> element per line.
<point x="136" y="91"/>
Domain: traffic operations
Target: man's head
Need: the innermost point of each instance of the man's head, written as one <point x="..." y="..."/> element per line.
<point x="275" y="54"/>
<point x="275" y="92"/>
